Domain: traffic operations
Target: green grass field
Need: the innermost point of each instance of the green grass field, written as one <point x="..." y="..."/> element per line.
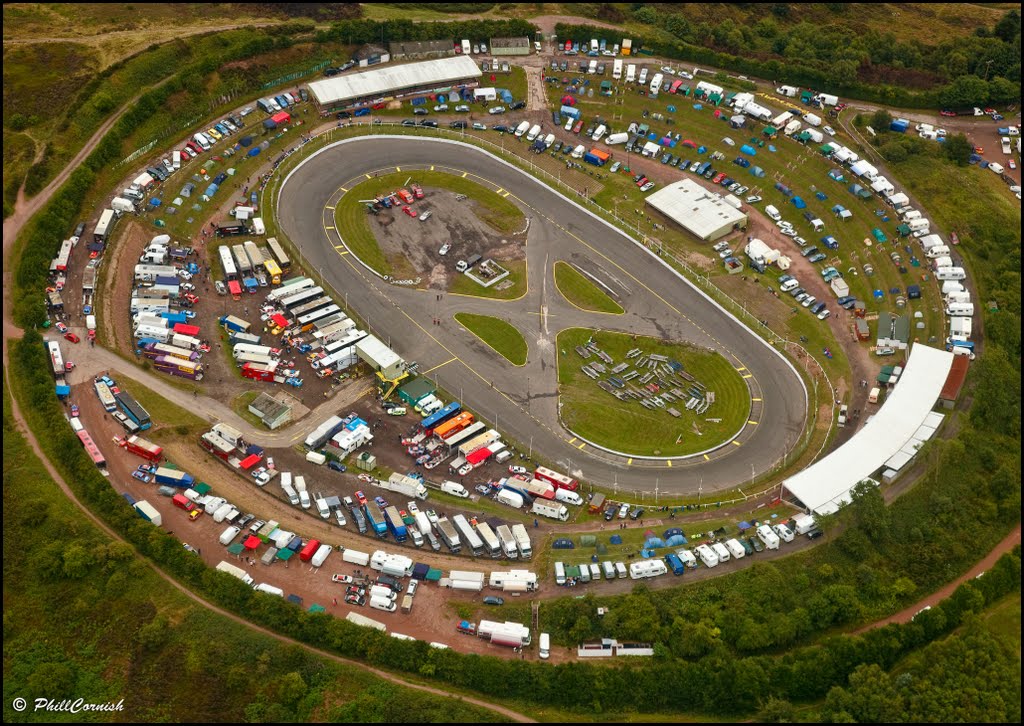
<point x="508" y="342"/>
<point x="582" y="292"/>
<point x="628" y="427"/>
<point x="351" y="214"/>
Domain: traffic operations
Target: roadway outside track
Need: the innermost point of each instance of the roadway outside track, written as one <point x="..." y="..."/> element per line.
<point x="523" y="402"/>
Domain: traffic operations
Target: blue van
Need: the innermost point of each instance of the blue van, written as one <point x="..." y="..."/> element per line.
<point x="674" y="563"/>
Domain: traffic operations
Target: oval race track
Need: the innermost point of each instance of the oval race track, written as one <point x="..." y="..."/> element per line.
<point x="523" y="401"/>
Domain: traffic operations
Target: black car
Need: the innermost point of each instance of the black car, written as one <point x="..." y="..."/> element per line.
<point x="343" y="115"/>
<point x="420" y="112"/>
<point x="408" y="122"/>
<point x="389" y="581"/>
<point x="458" y="124"/>
<point x="329" y="72"/>
<point x="610" y="512"/>
<point x="814" y="534"/>
<point x="636" y="513"/>
<point x="518" y="105"/>
<point x="500" y="128"/>
<point x="429" y="124"/>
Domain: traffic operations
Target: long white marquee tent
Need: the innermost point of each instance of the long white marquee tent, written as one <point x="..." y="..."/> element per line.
<point x="825" y="485"/>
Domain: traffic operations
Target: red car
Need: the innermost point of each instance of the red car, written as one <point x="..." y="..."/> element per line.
<point x="191" y="298"/>
<point x="417" y="191"/>
<point x="71" y="337"/>
<point x="718" y="178"/>
<point x="947" y="112"/>
<point x="74" y="411"/>
<point x="409" y="211"/>
<point x="990" y="111"/>
<point x="405" y="195"/>
<point x="641" y="181"/>
<point x="578" y="127"/>
<point x="361" y="497"/>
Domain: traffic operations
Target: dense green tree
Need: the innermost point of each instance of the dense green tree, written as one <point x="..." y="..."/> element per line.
<point x="958" y="149"/>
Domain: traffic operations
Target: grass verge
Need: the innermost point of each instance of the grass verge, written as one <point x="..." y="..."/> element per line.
<point x="581" y="292"/>
<point x="463" y="285"/>
<point x="499" y="335"/>
<point x="628" y="427"/>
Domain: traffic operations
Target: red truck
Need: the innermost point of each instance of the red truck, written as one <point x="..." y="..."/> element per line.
<point x="183" y="502"/>
<point x="307" y="552"/>
<point x="141" y="447"/>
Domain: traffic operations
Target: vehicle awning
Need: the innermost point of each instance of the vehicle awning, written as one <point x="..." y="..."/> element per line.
<point x="252" y="542"/>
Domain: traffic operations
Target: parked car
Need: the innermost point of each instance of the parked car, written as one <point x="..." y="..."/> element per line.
<point x="493" y="600"/>
<point x="337" y="466"/>
<point x="493" y="110"/>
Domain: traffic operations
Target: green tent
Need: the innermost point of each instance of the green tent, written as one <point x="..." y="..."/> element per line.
<point x="572" y="571"/>
<point x="236" y="549"/>
<point x="770" y="131"/>
<point x="314" y="608"/>
<point x="433" y="575"/>
<point x="285" y="554"/>
<point x="806" y="96"/>
<point x="826" y="149"/>
<point x="803" y="136"/>
<point x="904" y="230"/>
<point x="588" y="540"/>
<point x="202" y="488"/>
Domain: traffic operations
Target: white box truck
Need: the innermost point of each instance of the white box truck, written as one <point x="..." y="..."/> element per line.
<point x="268" y="589"/>
<point x="550" y="510"/>
<point x="803" y="523"/>
<point x="356" y="557"/>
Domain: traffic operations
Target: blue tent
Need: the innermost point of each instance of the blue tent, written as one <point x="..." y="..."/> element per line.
<point x="836" y="209"/>
<point x="757" y="171"/>
<point x="784" y="189"/>
<point x="771" y="148"/>
<point x="63" y="391"/>
<point x="255" y="151"/>
<point x="676" y="540"/>
<point x="245" y="141"/>
<point x="506" y="95"/>
<point x="820" y="196"/>
<point x="653" y="543"/>
<point x="211" y="190"/>
<point x="799" y="203"/>
<point x="441" y="98"/>
<point x="418" y="101"/>
<point x="698" y="107"/>
<point x="563" y="544"/>
<point x="154" y="203"/>
<point x="616" y="539"/>
<point x="702" y="149"/>
<point x="837" y="174"/>
<point x="748" y="150"/>
<point x="668" y="533"/>
<point x="671" y="109"/>
<point x="879" y="294"/>
<point x="744" y="526"/>
<point x="269" y="124"/>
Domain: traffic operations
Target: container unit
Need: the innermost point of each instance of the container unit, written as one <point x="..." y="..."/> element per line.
<point x="522" y="541"/>
<point x="492" y="545"/>
<point x="446" y="531"/>
<point x="508" y="542"/>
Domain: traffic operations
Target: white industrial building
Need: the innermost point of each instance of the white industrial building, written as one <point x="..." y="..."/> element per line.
<point x="697" y="210"/>
<point x="394" y="81"/>
<point x="886" y="442"/>
<point x="380" y="357"/>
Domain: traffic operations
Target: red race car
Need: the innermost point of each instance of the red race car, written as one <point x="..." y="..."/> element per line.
<point x="947" y="112"/>
<point x="71" y="337"/>
<point x="409" y="211"/>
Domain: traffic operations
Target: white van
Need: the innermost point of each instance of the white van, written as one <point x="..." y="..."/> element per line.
<point x="455" y="489"/>
<point x="176" y="159"/>
<point x="960" y="350"/>
<point x="578" y="152"/>
<point x="425" y="401"/>
<point x="569" y="124"/>
<point x="503" y="456"/>
<point x="599" y="134"/>
<point x="773" y="213"/>
<point x="620" y="570"/>
<point x="789" y="285"/>
<point x="380" y="604"/>
<point x="564" y="495"/>
<point x="384" y="593"/>
<point x="595" y="571"/>
<point x="269" y="589"/>
<point x="544" y="648"/>
<point x="228" y="535"/>
<point x="559" y="573"/>
<point x="609" y="570"/>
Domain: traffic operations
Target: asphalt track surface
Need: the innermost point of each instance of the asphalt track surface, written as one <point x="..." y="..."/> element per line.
<point x="523" y="401"/>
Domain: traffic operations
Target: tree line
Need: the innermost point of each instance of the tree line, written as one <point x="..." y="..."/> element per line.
<point x="871" y="66"/>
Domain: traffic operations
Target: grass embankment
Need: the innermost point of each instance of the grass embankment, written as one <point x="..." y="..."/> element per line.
<point x="582" y="292"/>
<point x="351" y="214"/>
<point x="162" y="410"/>
<point x="114" y="629"/>
<point x="628" y="427"/>
<point x="499" y="335"/>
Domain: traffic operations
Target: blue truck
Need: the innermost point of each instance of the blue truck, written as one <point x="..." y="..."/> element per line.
<point x="173" y="318"/>
<point x="174" y="478"/>
<point x="395" y="524"/>
<point x="375" y="520"/>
